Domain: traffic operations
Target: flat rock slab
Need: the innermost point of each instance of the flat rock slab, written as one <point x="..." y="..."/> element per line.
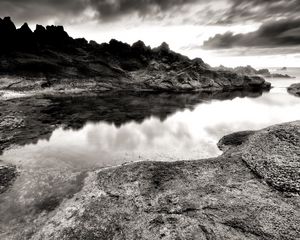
<point x="234" y="196"/>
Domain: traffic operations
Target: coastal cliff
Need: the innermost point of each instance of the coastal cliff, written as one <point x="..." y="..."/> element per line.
<point x="48" y="58"/>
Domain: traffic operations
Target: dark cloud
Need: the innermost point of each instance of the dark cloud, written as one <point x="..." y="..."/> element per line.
<point x="181" y="11"/>
<point x="283" y="33"/>
<point x="116" y="8"/>
<point x="259" y="10"/>
<point x="32" y="10"/>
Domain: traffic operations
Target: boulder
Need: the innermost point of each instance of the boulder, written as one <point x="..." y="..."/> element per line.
<point x="294" y="89"/>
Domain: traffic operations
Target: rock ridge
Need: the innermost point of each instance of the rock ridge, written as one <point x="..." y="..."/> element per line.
<point x="49" y="58"/>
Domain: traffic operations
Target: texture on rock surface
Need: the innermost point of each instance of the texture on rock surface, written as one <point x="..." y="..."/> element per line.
<point x="249" y="192"/>
<point x="8" y="174"/>
<point x="294" y="89"/>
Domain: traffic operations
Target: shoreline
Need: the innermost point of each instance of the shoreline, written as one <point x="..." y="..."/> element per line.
<point x="235" y="190"/>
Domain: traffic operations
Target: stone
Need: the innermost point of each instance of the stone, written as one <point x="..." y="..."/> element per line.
<point x="51" y="56"/>
<point x="294" y="89"/>
<point x="249" y="192"/>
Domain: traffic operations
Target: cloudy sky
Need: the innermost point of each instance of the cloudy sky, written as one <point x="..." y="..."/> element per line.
<point x="263" y="33"/>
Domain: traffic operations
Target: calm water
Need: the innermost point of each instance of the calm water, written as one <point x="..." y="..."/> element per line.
<point x="52" y="169"/>
<point x="185" y="134"/>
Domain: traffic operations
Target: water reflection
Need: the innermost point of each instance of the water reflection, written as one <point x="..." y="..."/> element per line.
<point x="64" y="137"/>
<point x="162" y="128"/>
<point x="34" y="118"/>
<point x="87" y="132"/>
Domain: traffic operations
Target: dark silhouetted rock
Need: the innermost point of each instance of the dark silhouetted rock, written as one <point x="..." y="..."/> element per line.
<point x="7" y="27"/>
<point x="25" y="30"/>
<point x="164" y="47"/>
<point x="7" y="35"/>
<point x="40" y="34"/>
<point x="49" y="56"/>
<point x="57" y="36"/>
<point x="25" y="38"/>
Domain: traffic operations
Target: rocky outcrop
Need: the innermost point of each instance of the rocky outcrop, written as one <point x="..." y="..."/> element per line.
<point x="248" y="70"/>
<point x="49" y="58"/>
<point x="294" y="89"/>
<point x="250" y="192"/>
<point x="274" y="155"/>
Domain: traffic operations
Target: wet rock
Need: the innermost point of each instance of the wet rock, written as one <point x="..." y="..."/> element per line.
<point x="294" y="89"/>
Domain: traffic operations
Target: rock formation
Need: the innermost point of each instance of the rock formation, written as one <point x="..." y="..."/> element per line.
<point x="294" y="89"/>
<point x="248" y="70"/>
<point x="49" y="58"/>
<point x="249" y="192"/>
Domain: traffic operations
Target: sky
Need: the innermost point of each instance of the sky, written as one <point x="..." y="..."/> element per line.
<point x="261" y="33"/>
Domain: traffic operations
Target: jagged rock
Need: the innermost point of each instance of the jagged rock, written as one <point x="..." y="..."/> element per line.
<point x="56" y="35"/>
<point x="164" y="47"/>
<point x="25" y="30"/>
<point x="7" y="34"/>
<point x="50" y="55"/>
<point x="93" y="43"/>
<point x="7" y="27"/>
<point x="40" y="33"/>
<point x="25" y="38"/>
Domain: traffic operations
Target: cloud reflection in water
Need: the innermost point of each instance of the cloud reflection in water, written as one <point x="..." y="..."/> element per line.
<point x="188" y="134"/>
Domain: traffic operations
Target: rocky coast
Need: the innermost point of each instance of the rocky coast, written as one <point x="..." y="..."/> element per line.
<point x="251" y="191"/>
<point x="48" y="58"/>
<point x="249" y="70"/>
